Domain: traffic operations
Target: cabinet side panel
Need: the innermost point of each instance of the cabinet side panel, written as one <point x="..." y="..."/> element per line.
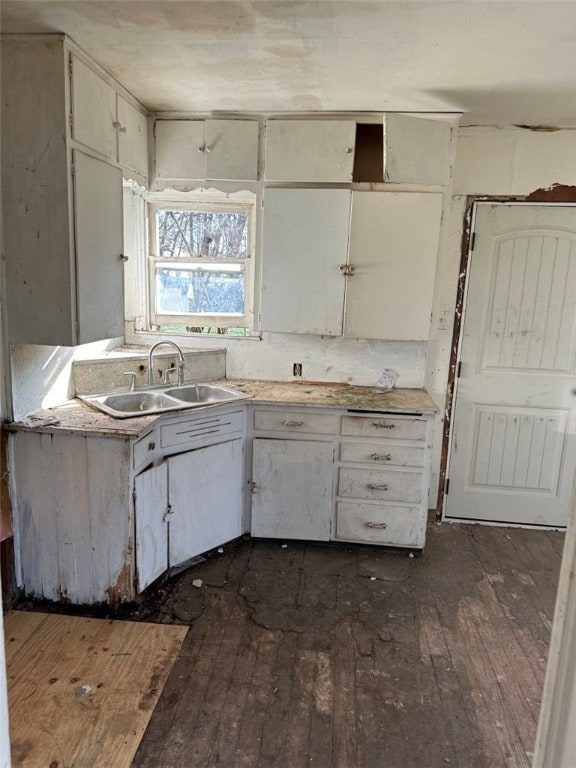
<point x="35" y="192"/>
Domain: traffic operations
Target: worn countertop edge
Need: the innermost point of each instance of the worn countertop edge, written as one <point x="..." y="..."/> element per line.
<point x="329" y="395"/>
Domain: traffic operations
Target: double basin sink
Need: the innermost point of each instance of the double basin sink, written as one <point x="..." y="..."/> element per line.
<point x="125" y="405"/>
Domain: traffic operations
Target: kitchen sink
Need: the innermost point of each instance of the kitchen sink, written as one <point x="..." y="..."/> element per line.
<point x="198" y="394"/>
<point x="125" y="405"/>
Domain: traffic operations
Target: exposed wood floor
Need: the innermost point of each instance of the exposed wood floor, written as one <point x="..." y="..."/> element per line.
<point x="81" y="690"/>
<point x="355" y="657"/>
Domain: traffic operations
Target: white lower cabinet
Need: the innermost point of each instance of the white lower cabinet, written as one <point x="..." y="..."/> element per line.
<point x="186" y="505"/>
<point x="292" y="488"/>
<point x="358" y="478"/>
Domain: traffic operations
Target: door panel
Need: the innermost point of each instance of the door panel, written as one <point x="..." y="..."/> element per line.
<point x="513" y="452"/>
<point x="151" y="500"/>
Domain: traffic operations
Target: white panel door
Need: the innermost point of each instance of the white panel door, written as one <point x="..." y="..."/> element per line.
<point x="310" y="150"/>
<point x="292" y="489"/>
<point x="393" y="250"/>
<point x="232" y="149"/>
<point x="151" y="515"/>
<point x="180" y="149"/>
<point x="513" y="454"/>
<point x="206" y="492"/>
<point x="99" y="245"/>
<point x="305" y="243"/>
<point x="93" y="110"/>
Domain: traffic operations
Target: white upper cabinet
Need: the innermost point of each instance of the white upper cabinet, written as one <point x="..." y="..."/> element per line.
<point x="392" y="263"/>
<point x="370" y="276"/>
<point x="132" y="137"/>
<point x="305" y="246"/>
<point x="93" y="109"/>
<point x="63" y="235"/>
<point x="417" y="150"/>
<point x="207" y="149"/>
<point x="106" y="122"/>
<point x="310" y="150"/>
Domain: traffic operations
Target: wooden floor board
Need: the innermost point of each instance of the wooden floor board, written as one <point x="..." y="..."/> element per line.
<point x="358" y="657"/>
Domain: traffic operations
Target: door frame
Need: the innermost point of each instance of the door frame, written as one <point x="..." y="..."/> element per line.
<point x="557" y="195"/>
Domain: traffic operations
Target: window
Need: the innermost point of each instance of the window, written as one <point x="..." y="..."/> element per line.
<point x="201" y="278"/>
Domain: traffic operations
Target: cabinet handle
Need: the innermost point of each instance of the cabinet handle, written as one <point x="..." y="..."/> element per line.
<point x="379" y="425"/>
<point x="348" y="150"/>
<point x="121" y="128"/>
<point x="347" y="270"/>
<point x="376" y="487"/>
<point x="151" y="446"/>
<point x="123" y="257"/>
<point x="208" y="149"/>
<point x="201" y="149"/>
<point x="293" y="423"/>
<point x="254" y="487"/>
<point x="167" y="513"/>
<point x="380" y="456"/>
<point x="382" y="526"/>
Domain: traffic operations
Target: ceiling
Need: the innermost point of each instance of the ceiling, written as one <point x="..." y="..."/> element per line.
<point x="498" y="62"/>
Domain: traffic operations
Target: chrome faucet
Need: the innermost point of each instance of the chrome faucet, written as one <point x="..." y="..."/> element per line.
<point x="180" y="361"/>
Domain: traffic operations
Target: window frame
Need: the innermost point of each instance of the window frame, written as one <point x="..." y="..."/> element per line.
<point x="246" y="320"/>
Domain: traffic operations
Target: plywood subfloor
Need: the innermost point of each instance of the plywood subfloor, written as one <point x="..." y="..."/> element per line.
<point x="81" y="690"/>
<point x="355" y="657"/>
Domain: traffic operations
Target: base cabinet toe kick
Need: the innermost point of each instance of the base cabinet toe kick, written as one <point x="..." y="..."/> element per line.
<point x="99" y="518"/>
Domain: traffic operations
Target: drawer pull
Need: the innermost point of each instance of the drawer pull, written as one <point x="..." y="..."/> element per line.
<point x="167" y="513"/>
<point x="379" y="425"/>
<point x="376" y="525"/>
<point x="376" y="487"/>
<point x="380" y="456"/>
<point x="293" y="423"/>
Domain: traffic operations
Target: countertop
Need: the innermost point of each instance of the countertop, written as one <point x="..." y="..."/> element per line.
<point x="79" y="418"/>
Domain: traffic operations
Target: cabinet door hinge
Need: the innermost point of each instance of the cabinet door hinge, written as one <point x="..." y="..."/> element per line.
<point x="447" y="488"/>
<point x="134" y="495"/>
<point x="472" y="241"/>
<point x="70" y="69"/>
<point x="459" y="369"/>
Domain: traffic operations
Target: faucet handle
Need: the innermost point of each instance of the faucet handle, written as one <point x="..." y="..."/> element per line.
<point x="166" y="377"/>
<point x="132" y="381"/>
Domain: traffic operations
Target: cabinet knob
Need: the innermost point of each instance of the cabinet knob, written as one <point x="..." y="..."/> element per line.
<point x="349" y="150"/>
<point x="167" y="513"/>
<point x="201" y="149"/>
<point x="347" y="269"/>
<point x="123" y="257"/>
<point x="208" y="149"/>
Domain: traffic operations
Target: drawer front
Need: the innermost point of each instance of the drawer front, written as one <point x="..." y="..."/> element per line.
<point x="145" y="449"/>
<point x="382" y="453"/>
<point x="378" y="524"/>
<point x="207" y="425"/>
<point x="384" y="426"/>
<point x="380" y="484"/>
<point x="294" y="421"/>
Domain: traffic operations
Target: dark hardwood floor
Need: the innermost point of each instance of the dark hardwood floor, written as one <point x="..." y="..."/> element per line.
<point x="345" y="656"/>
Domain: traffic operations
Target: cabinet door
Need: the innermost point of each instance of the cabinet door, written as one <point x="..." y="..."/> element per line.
<point x="93" y="110"/>
<point x="99" y="244"/>
<point x="180" y="149"/>
<point x="206" y="491"/>
<point x="132" y="138"/>
<point x="310" y="150"/>
<point x="232" y="149"/>
<point x="305" y="243"/>
<point x="292" y="489"/>
<point x="416" y="150"/>
<point x="151" y="516"/>
<point x="393" y="249"/>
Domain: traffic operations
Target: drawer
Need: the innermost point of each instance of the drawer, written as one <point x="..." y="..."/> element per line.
<point x="294" y="421"/>
<point x="208" y="424"/>
<point x="379" y="524"/>
<point x="384" y="426"/>
<point x="144" y="449"/>
<point x="380" y="484"/>
<point x="382" y="453"/>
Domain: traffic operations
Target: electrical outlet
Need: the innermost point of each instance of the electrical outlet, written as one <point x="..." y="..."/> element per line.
<point x="297" y="370"/>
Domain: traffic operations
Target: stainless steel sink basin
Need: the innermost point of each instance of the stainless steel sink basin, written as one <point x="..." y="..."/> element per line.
<point x="125" y="405"/>
<point x="198" y="394"/>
